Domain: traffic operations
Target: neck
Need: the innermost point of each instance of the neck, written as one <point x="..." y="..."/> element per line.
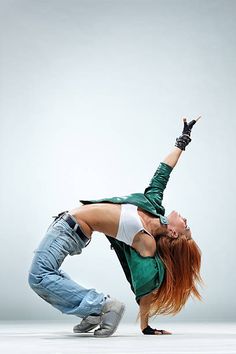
<point x="161" y="230"/>
<point x="152" y="223"/>
<point x="155" y="227"/>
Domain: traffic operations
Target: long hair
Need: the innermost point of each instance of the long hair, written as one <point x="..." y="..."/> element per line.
<point x="182" y="259"/>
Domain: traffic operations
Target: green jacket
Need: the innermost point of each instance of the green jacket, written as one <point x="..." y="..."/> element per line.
<point x="144" y="274"/>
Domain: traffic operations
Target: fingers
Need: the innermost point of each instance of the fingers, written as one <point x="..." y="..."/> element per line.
<point x="188" y="126"/>
<point x="185" y="123"/>
<point x="191" y="124"/>
<point x="166" y="332"/>
<point x="198" y="118"/>
<point x="185" y="120"/>
<point x="159" y="332"/>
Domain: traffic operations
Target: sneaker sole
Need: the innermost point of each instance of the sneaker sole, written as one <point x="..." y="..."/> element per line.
<point x="88" y="331"/>
<point x="122" y="311"/>
<point x="89" y="327"/>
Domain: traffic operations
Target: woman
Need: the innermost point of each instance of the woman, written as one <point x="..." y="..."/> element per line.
<point x="157" y="253"/>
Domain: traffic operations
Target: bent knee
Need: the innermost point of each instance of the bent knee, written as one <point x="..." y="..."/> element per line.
<point x="34" y="281"/>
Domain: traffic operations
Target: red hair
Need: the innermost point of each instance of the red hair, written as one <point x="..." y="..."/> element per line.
<point x="182" y="259"/>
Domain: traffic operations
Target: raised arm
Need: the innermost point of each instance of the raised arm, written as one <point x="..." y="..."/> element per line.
<point x="173" y="157"/>
<point x="154" y="191"/>
<point x="144" y="307"/>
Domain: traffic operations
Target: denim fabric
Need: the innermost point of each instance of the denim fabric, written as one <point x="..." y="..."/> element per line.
<point x="54" y="285"/>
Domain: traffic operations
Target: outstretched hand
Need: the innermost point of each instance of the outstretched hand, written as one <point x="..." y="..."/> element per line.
<point x="183" y="140"/>
<point x="188" y="126"/>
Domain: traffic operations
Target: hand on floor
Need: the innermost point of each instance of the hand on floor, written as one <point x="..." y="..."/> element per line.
<point x="153" y="331"/>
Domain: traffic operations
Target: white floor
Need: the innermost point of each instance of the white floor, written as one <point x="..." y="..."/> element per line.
<point x="54" y="338"/>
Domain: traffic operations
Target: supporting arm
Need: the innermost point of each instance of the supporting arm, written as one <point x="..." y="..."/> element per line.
<point x="144" y="306"/>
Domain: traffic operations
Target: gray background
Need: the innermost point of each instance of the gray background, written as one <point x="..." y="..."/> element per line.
<point x="92" y="94"/>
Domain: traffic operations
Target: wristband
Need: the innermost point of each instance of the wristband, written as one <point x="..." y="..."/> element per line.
<point x="182" y="141"/>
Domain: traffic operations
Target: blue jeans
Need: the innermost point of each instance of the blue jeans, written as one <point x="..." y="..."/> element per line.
<point x="54" y="285"/>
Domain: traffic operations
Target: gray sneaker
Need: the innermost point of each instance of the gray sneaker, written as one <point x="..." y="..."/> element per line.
<point x="112" y="313"/>
<point x="87" y="324"/>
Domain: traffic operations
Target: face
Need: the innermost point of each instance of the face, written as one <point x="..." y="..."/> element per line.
<point x="178" y="223"/>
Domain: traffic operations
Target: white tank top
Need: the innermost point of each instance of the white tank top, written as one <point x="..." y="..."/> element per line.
<point x="129" y="224"/>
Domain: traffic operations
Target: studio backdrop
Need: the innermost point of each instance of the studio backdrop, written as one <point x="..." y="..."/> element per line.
<point x="92" y="95"/>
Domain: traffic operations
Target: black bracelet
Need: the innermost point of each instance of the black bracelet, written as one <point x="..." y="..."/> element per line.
<point x="182" y="141"/>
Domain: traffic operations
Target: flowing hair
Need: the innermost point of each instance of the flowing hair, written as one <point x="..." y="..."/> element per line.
<point x="182" y="259"/>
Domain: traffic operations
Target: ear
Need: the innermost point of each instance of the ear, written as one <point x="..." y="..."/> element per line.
<point x="172" y="232"/>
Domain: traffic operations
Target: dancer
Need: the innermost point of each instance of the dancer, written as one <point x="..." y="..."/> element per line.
<point x="160" y="259"/>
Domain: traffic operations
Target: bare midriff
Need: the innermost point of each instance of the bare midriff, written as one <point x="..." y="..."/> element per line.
<point x="101" y="217"/>
<point x="104" y="218"/>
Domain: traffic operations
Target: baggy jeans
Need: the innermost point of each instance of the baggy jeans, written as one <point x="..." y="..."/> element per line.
<point x="54" y="285"/>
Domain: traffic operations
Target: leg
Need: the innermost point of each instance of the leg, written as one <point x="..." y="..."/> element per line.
<point x="52" y="284"/>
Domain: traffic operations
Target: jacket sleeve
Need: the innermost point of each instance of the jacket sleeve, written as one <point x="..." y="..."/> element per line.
<point x="157" y="185"/>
